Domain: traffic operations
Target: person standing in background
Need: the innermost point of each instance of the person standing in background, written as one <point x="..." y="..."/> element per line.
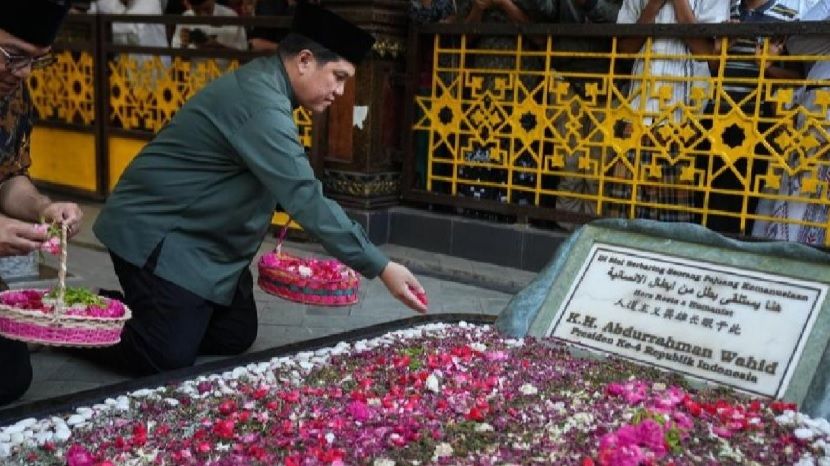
<point x="143" y="34"/>
<point x="579" y="72"/>
<point x="743" y="96"/>
<point x="813" y="98"/>
<point x="648" y="97"/>
<point x="205" y="36"/>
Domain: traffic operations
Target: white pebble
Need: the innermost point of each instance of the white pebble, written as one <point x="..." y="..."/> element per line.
<point x="43" y="437"/>
<point x="820" y="425"/>
<point x="62" y="435"/>
<point x="803" y="433"/>
<point x="75" y="419"/>
<point x="478" y="347"/>
<point x="5" y="450"/>
<point x="26" y="423"/>
<point x="806" y="461"/>
<point x="14" y="429"/>
<point x="433" y="384"/>
<point x="142" y="393"/>
<point x="5" y="437"/>
<point x="442" y="450"/>
<point x="528" y="389"/>
<point x="483" y="427"/>
<point x="17" y="438"/>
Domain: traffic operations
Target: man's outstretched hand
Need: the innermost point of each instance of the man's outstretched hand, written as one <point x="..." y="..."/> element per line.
<point x="404" y="286"/>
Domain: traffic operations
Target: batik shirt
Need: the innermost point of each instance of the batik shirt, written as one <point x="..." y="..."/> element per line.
<point x="16" y="115"/>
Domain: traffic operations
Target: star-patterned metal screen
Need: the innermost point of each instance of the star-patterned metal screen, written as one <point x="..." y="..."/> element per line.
<point x="508" y="124"/>
<point x="144" y="91"/>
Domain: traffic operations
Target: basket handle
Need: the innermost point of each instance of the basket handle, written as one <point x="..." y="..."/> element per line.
<point x="281" y="236"/>
<point x="59" y="305"/>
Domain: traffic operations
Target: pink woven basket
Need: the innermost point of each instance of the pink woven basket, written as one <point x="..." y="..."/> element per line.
<point x="322" y="282"/>
<point x="59" y="328"/>
<point x="283" y="275"/>
<point x="27" y="316"/>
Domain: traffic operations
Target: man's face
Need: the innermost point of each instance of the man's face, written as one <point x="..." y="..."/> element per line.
<point x="318" y="85"/>
<point x="205" y="8"/>
<point x="11" y="74"/>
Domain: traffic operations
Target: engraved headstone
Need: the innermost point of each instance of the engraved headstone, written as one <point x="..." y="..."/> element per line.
<point x="750" y="316"/>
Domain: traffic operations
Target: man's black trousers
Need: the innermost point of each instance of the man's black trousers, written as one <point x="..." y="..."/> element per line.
<point x="16" y="369"/>
<point x="171" y="326"/>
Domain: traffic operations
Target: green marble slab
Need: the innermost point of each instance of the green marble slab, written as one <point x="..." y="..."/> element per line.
<point x="537" y="308"/>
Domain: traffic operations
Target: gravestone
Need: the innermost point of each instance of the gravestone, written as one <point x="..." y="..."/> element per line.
<point x="751" y="316"/>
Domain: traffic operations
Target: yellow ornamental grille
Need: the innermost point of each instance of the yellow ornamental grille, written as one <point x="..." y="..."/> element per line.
<point x="505" y="125"/>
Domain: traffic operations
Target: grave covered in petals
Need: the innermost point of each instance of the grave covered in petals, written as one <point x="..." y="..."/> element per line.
<point x="434" y="394"/>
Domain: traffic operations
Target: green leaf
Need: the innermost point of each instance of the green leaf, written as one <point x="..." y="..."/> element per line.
<point x="75" y="296"/>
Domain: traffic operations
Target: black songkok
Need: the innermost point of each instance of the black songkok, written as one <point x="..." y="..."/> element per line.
<point x="332" y="32"/>
<point x="33" y="21"/>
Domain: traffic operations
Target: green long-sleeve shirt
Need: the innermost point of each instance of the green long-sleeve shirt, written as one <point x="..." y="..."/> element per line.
<point x="207" y="185"/>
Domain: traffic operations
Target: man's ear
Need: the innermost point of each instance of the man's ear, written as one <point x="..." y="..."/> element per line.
<point x="305" y="61"/>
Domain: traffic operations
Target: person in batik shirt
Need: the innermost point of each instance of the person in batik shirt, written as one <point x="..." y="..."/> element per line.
<point x="27" y="30"/>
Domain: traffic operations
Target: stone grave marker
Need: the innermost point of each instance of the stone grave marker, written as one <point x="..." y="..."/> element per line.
<point x="750" y="316"/>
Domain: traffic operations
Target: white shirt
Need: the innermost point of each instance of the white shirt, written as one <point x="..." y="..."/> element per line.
<point x="230" y="36"/>
<point x="706" y="11"/>
<point x="813" y="45"/>
<point x="146" y="34"/>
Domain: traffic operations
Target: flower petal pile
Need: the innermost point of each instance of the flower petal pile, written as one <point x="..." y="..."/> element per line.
<point x="79" y="302"/>
<point x="306" y="267"/>
<point x="436" y="394"/>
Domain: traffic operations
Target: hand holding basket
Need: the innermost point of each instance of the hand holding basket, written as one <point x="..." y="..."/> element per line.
<point x="40" y="316"/>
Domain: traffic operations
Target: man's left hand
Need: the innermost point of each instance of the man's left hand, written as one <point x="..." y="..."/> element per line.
<point x="66" y="213"/>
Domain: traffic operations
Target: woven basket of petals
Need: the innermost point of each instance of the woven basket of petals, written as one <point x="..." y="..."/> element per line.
<point x="323" y="282"/>
<point x="306" y="280"/>
<point x="62" y="316"/>
<point x="34" y="316"/>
